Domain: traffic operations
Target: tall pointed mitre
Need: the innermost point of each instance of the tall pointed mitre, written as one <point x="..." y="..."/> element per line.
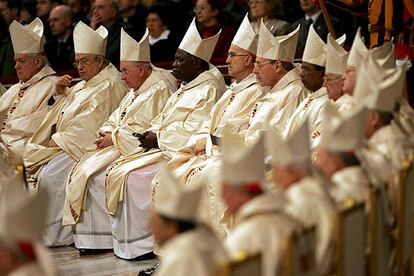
<point x="131" y="50"/>
<point x="27" y="39"/>
<point x="281" y="48"/>
<point x="342" y="133"/>
<point x="88" y="41"/>
<point x="246" y="37"/>
<point x="175" y="202"/>
<point x="193" y="43"/>
<point x="358" y="51"/>
<point x="242" y="164"/>
<point x="385" y="55"/>
<point x="292" y="151"/>
<point x="384" y="87"/>
<point x="315" y="48"/>
<point x="336" y="57"/>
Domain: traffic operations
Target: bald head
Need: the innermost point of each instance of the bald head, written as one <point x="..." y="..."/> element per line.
<point x="60" y="21"/>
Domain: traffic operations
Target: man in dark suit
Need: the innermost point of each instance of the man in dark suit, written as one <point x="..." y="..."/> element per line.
<point x="313" y="15"/>
<point x="59" y="49"/>
<point x="106" y="13"/>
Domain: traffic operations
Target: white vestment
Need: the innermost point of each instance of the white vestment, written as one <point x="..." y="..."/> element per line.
<point x="134" y="115"/>
<point x="312" y="110"/>
<point x="349" y="183"/>
<point x="26" y="105"/>
<point x="183" y="113"/>
<point x="194" y="252"/>
<point x="310" y="204"/>
<point x="345" y="104"/>
<point x="76" y="121"/>
<point x="261" y="226"/>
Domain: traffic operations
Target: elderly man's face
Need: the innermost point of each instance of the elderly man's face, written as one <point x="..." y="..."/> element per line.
<point x="133" y="73"/>
<point x="333" y="84"/>
<point x="88" y="65"/>
<point x="312" y="76"/>
<point x="58" y="22"/>
<point x="183" y="66"/>
<point x="104" y="11"/>
<point x="348" y="80"/>
<point x="27" y="65"/>
<point x="266" y="71"/>
<point x="43" y="7"/>
<point x="237" y="59"/>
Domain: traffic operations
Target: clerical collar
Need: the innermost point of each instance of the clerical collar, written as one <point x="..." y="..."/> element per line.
<point x="163" y="36"/>
<point x="313" y="17"/>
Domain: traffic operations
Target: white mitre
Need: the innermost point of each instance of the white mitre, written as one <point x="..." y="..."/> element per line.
<point x="384" y="88"/>
<point x="281" y="48"/>
<point x="358" y="51"/>
<point x="315" y="48"/>
<point x="175" y="202"/>
<point x="342" y="133"/>
<point x="295" y="150"/>
<point x="27" y="39"/>
<point x="131" y="50"/>
<point x="88" y="41"/>
<point x="246" y="37"/>
<point x="241" y="164"/>
<point x="193" y="43"/>
<point x="23" y="220"/>
<point x="385" y="55"/>
<point x="336" y="57"/>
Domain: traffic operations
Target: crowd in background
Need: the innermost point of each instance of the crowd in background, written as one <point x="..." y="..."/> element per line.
<point x="166" y="21"/>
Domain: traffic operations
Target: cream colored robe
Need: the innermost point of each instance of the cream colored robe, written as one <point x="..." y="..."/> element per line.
<point x="261" y="226"/>
<point x="184" y="113"/>
<point x="276" y="107"/>
<point x="194" y="252"/>
<point x="77" y="120"/>
<point x="231" y="111"/>
<point x="312" y="110"/>
<point x="29" y="112"/>
<point x="385" y="152"/>
<point x="310" y="204"/>
<point x="133" y="115"/>
<point x="349" y="183"/>
<point x="345" y="104"/>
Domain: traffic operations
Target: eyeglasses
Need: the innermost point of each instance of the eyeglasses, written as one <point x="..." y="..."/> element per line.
<point x="83" y="62"/>
<point x="233" y="55"/>
<point x="259" y="64"/>
<point x="201" y="8"/>
<point x="327" y="79"/>
<point x="126" y="72"/>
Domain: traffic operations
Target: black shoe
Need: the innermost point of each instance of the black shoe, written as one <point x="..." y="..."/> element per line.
<point x="148" y="271"/>
<point x="87" y="251"/>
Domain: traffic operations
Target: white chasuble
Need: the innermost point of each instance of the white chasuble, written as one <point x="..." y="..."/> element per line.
<point x="133" y="115"/>
<point x="312" y="110"/>
<point x="26" y="104"/>
<point x="184" y="113"/>
<point x="76" y="119"/>
<point x="261" y="226"/>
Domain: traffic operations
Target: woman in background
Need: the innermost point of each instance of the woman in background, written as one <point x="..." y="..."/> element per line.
<point x="210" y="20"/>
<point x="270" y="11"/>
<point x="162" y="44"/>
